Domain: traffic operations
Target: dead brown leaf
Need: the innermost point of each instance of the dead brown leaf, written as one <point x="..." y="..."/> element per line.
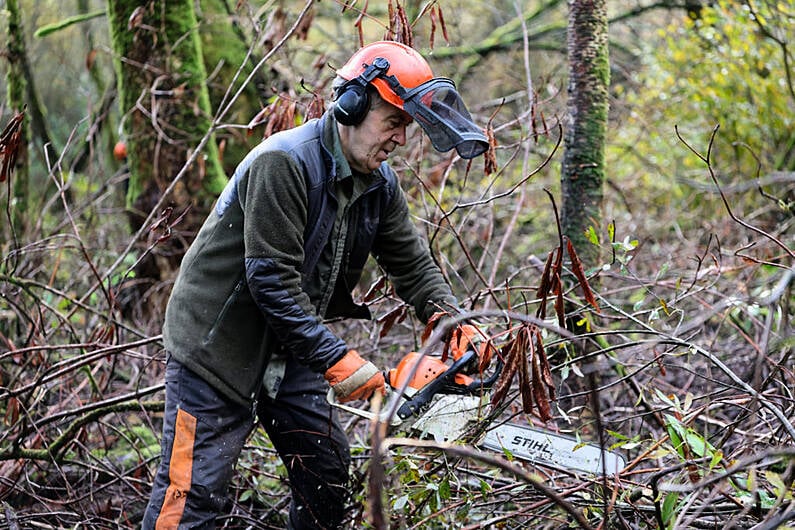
<point x="11" y="144"/>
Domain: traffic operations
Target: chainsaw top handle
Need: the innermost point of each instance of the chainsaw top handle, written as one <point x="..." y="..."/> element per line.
<point x="445" y="383"/>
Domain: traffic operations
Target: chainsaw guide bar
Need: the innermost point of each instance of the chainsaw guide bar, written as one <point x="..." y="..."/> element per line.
<point x="552" y="449"/>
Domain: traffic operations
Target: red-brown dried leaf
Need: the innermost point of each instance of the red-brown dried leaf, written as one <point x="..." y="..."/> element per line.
<point x="399" y="28"/>
<point x="545" y="287"/>
<point x="90" y="58"/>
<point x="444" y="26"/>
<point x="164" y="224"/>
<point x="407" y="36"/>
<point x="490" y="156"/>
<point x="540" y="393"/>
<point x="12" y="411"/>
<point x="374" y="289"/>
<point x="390" y="319"/>
<point x="103" y="333"/>
<point x="560" y="309"/>
<point x="275" y="28"/>
<point x="526" y="383"/>
<point x="162" y="221"/>
<point x="660" y="365"/>
<point x="503" y="384"/>
<point x="316" y="108"/>
<point x="11" y="144"/>
<point x="136" y="18"/>
<point x="289" y="120"/>
<point x="302" y="31"/>
<point x="278" y="116"/>
<point x="576" y="266"/>
<point x="525" y="356"/>
<point x="546" y="371"/>
<point x="221" y="148"/>
<point x="10" y="346"/>
<point x="433" y="28"/>
<point x="431" y="325"/>
<point x="359" y="20"/>
<point x="258" y="119"/>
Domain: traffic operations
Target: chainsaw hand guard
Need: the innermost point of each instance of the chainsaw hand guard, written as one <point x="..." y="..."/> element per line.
<point x="449" y="381"/>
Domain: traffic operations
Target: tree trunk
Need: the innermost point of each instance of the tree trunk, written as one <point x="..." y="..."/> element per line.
<point x="583" y="169"/>
<point x="226" y="50"/>
<point x="166" y="111"/>
<point x="16" y="87"/>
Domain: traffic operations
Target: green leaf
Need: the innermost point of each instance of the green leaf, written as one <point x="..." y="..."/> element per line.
<point x="592" y="236"/>
<point x="444" y="489"/>
<point x="617" y="435"/>
<point x="668" y="508"/>
<point x="696" y="442"/>
<point x="717" y="456"/>
<point x="485" y="489"/>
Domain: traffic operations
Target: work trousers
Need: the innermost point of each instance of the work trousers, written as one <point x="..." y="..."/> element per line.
<point x="204" y="433"/>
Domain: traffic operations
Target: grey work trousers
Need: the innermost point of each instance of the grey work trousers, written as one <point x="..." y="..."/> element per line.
<point x="204" y="433"/>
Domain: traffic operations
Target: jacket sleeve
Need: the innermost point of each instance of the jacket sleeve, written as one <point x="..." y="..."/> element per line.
<point x="274" y="201"/>
<point x="406" y="258"/>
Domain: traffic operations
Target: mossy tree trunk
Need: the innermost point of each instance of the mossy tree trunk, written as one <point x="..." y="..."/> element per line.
<point x="226" y="50"/>
<point x="583" y="170"/>
<point x="16" y="88"/>
<point x="165" y="110"/>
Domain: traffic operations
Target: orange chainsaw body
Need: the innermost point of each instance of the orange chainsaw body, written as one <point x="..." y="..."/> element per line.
<point x="429" y="369"/>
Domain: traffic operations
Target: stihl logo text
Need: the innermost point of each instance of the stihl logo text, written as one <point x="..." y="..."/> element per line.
<point x="535" y="446"/>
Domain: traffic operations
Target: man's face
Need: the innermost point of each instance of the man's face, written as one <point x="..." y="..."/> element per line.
<point x="371" y="142"/>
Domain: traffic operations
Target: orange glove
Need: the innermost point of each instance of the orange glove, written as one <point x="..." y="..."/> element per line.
<point x="467" y="337"/>
<point x="354" y="378"/>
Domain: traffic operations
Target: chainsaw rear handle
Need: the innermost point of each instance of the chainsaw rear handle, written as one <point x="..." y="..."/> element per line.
<point x="445" y="383"/>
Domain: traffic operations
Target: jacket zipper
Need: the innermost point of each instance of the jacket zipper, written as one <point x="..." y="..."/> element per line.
<point x="224" y="310"/>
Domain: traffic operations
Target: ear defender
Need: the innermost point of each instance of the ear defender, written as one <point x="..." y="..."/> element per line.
<point x="352" y="104"/>
<point x="353" y="101"/>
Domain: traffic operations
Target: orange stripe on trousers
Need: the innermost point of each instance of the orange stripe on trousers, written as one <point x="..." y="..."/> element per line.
<point x="179" y="473"/>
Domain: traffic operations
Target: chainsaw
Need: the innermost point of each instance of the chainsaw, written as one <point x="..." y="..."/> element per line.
<point x="427" y="397"/>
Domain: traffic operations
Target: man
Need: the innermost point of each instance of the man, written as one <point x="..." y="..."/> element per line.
<point x="281" y="251"/>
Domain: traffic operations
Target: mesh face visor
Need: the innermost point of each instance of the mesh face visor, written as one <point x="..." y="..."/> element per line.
<point x="436" y="106"/>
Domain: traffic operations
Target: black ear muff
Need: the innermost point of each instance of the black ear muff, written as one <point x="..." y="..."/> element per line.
<point x="352" y="103"/>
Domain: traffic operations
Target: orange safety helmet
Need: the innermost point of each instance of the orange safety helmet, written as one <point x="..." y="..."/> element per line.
<point x="405" y="63"/>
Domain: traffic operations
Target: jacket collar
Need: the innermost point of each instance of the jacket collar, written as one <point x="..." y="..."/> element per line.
<point x="332" y="147"/>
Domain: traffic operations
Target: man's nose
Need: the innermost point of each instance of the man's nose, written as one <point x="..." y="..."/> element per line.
<point x="400" y="136"/>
